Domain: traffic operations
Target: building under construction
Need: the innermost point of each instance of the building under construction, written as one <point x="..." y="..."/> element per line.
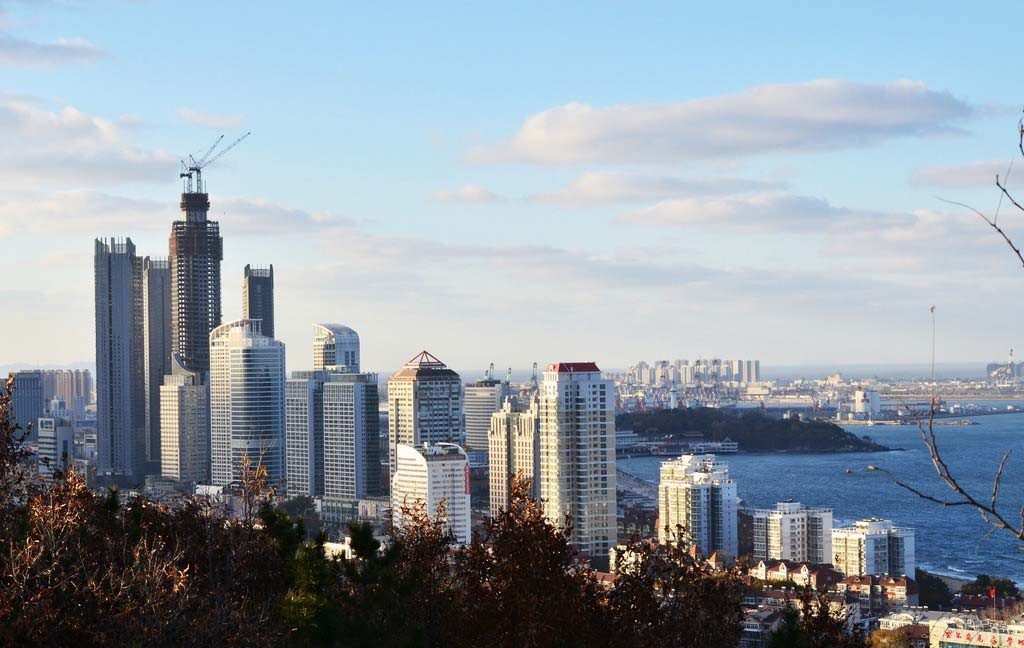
<point x="196" y="250"/>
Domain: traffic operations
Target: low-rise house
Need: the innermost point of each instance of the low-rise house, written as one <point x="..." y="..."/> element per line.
<point x="879" y="595"/>
<point x="802" y="574"/>
<point x="758" y="627"/>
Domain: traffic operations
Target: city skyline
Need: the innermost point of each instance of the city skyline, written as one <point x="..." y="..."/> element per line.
<point x="656" y="188"/>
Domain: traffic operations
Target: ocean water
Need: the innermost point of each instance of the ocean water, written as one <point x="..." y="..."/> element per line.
<point x="949" y="540"/>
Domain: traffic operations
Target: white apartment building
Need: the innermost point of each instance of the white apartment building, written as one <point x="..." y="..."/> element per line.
<point x="247" y="413"/>
<point x="697" y="501"/>
<point x="351" y="437"/>
<point x="304" y="433"/>
<point x="424" y="405"/>
<point x="56" y="445"/>
<point x="513" y="449"/>
<point x="792" y="531"/>
<point x="481" y="400"/>
<point x="184" y="425"/>
<point x="577" y="454"/>
<point x="874" y="547"/>
<point x="429" y="475"/>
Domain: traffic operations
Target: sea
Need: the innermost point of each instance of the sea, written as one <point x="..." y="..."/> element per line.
<point x="953" y="541"/>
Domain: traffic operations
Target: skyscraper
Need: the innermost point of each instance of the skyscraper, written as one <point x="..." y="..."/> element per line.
<point x="335" y="345"/>
<point x="247" y="412"/>
<point x="156" y="297"/>
<point x="577" y="454"/>
<point x="120" y="359"/>
<point x="304" y="433"/>
<point x="258" y="296"/>
<point x="184" y="425"/>
<point x="426" y="476"/>
<point x="196" y="250"/>
<point x="513" y="450"/>
<point x="424" y="405"/>
<point x="696" y="497"/>
<point x="482" y="399"/>
<point x="351" y="427"/>
<point x="27" y="401"/>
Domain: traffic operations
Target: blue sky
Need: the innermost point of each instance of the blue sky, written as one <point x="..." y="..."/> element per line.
<point x="573" y="181"/>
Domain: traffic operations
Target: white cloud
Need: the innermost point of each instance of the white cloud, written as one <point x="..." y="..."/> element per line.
<point x="598" y="188"/>
<point x="210" y="120"/>
<point x="19" y="52"/>
<point x="812" y="116"/>
<point x="766" y="212"/>
<point x="68" y="147"/>
<point x="76" y="212"/>
<point x="470" y="193"/>
<point x="961" y="176"/>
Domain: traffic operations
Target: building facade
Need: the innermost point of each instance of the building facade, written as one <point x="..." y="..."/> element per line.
<point x="428" y="476"/>
<point x="196" y="251"/>
<point x="577" y="454"/>
<point x="184" y="425"/>
<point x="247" y="411"/>
<point x="304" y="433"/>
<point x="335" y="345"/>
<point x="513" y="450"/>
<point x="424" y="405"/>
<point x="792" y="531"/>
<point x="27" y="402"/>
<point x="697" y="504"/>
<point x="482" y="399"/>
<point x="156" y="308"/>
<point x="56" y="449"/>
<point x="120" y="359"/>
<point x="258" y="296"/>
<point x="351" y="427"/>
<point x="874" y="547"/>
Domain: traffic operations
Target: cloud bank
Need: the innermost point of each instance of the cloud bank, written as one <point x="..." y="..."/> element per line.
<point x="817" y="115"/>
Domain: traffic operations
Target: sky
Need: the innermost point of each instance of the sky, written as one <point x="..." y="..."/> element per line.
<point x="530" y="182"/>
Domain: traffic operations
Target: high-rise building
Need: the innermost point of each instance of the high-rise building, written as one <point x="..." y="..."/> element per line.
<point x="56" y="449"/>
<point x="120" y="359"/>
<point x="482" y="399"/>
<point x="304" y="433"/>
<point x="335" y="345"/>
<point x="424" y="405"/>
<point x="428" y="475"/>
<point x="697" y="504"/>
<point x="156" y="298"/>
<point x="874" y="547"/>
<point x="258" y="297"/>
<point x="792" y="531"/>
<point x="577" y="454"/>
<point x="514" y="450"/>
<point x="27" y="401"/>
<point x="351" y="437"/>
<point x="333" y="436"/>
<point x="247" y="413"/>
<point x="72" y="386"/>
<point x="184" y="425"/>
<point x="196" y="250"/>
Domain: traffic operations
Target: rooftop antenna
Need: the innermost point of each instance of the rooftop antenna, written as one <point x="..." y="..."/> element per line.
<point x="194" y="168"/>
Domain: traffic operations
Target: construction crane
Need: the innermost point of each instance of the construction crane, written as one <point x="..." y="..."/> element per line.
<point x="194" y="168"/>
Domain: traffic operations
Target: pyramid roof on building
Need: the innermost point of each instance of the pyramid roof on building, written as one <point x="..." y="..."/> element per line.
<point x="425" y="366"/>
<point x="573" y="367"/>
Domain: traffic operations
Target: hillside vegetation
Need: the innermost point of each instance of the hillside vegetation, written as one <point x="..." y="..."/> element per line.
<point x="754" y="431"/>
